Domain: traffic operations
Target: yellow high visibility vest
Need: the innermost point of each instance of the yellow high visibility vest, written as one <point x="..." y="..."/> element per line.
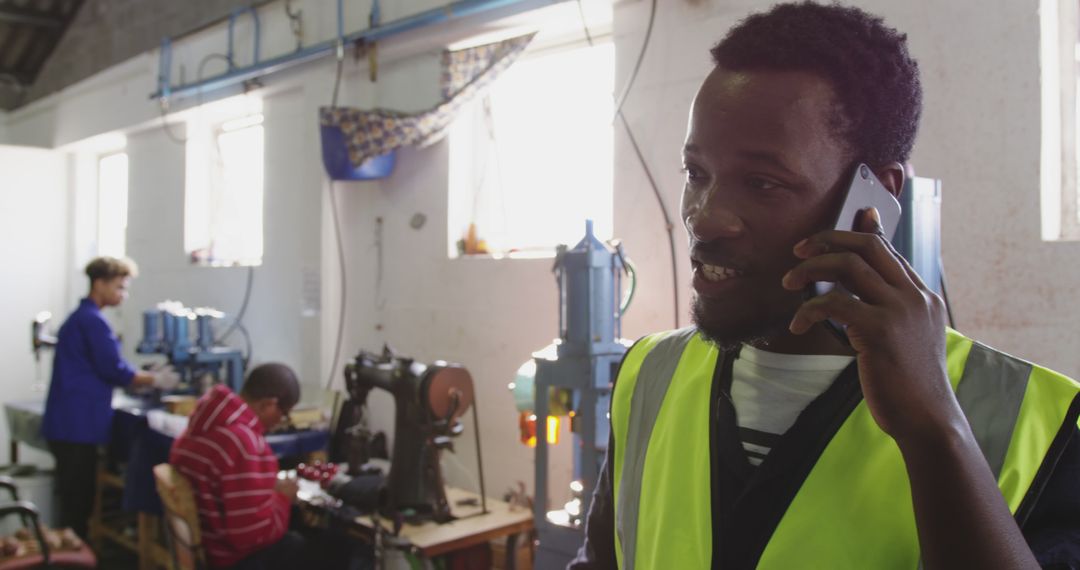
<point x="854" y="509"/>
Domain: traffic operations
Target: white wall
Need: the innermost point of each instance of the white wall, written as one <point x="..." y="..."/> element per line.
<point x="291" y="228"/>
<point x="979" y="134"/>
<point x="33" y="227"/>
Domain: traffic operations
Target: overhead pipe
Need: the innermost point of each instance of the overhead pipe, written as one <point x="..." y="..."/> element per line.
<point x="450" y="12"/>
<point x="258" y="32"/>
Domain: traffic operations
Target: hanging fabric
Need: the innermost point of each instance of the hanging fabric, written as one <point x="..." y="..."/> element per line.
<point x="359" y="144"/>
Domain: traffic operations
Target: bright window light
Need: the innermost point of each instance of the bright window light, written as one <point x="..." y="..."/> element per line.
<point x="531" y="161"/>
<point x="1059" y="54"/>
<point x="223" y="202"/>
<point x="112" y="204"/>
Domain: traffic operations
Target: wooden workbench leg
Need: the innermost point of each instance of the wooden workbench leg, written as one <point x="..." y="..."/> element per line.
<point x="511" y="552"/>
<point x="147" y="535"/>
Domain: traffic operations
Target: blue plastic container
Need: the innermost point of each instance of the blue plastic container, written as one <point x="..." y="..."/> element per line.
<point x="335" y="154"/>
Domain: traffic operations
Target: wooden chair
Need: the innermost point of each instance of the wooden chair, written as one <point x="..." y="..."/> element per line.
<point x="181" y="518"/>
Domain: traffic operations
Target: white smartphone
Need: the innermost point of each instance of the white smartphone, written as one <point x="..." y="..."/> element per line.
<point x="864" y="191"/>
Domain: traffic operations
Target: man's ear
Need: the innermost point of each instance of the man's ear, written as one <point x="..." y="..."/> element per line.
<point x="263" y="404"/>
<point x="892" y="176"/>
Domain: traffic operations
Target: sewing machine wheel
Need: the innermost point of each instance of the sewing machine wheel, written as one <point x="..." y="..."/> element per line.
<point x="443" y="382"/>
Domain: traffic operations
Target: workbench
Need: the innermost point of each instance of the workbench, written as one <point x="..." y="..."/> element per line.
<point x="430" y="539"/>
<point x="139" y="446"/>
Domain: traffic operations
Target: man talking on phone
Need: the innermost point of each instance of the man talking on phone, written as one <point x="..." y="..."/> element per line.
<point x="758" y="438"/>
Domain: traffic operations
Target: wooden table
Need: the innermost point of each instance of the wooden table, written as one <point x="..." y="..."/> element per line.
<point x="471" y="528"/>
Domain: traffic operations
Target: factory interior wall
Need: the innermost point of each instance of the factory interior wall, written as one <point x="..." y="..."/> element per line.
<point x="34" y="221"/>
<point x="980" y="134"/>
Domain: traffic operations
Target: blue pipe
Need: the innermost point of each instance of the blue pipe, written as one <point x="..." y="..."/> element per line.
<point x="341" y="20"/>
<point x="452" y="11"/>
<point x="165" y="68"/>
<point x="375" y="18"/>
<point x="258" y="33"/>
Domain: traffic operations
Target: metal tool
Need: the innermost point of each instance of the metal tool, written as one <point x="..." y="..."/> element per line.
<point x="40" y="338"/>
<point x="202" y="362"/>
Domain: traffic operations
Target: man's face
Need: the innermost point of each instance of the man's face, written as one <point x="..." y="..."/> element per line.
<point x="764" y="170"/>
<point x="269" y="412"/>
<point x="112" y="291"/>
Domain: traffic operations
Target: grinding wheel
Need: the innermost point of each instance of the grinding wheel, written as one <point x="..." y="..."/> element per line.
<point x="444" y="381"/>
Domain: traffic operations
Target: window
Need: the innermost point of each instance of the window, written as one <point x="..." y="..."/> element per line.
<point x="223" y="201"/>
<point x="533" y="159"/>
<point x="1060" y="169"/>
<point x="112" y="204"/>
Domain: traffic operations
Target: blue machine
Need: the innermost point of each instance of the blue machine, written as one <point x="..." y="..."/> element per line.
<point x="918" y="237"/>
<point x="578" y="375"/>
<point x="167" y="330"/>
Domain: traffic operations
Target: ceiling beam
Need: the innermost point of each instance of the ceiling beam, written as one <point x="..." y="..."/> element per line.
<point x="16" y="15"/>
<point x="7" y="75"/>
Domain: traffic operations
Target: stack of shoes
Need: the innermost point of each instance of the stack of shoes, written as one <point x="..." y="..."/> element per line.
<point x="24" y="545"/>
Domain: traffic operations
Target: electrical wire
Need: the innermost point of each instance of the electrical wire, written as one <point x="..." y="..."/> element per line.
<point x="380" y="302"/>
<point x="337" y="235"/>
<point x="669" y="226"/>
<point x="341" y="264"/>
<point x="243" y="306"/>
<point x="163" y="107"/>
<point x="629" y="297"/>
<point x="163" y="104"/>
<point x="296" y="23"/>
<point x="584" y="22"/>
<point x="247" y="340"/>
<point x="641" y="56"/>
<point x="337" y="76"/>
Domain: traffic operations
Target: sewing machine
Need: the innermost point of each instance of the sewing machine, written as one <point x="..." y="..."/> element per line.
<point x="167" y="330"/>
<point x="430" y="401"/>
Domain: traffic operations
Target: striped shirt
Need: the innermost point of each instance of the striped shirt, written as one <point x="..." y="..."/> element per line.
<point x="233" y="472"/>
<point x="770" y="390"/>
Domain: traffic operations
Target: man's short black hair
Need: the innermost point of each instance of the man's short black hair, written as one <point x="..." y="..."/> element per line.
<point x="867" y="63"/>
<point x="272" y="380"/>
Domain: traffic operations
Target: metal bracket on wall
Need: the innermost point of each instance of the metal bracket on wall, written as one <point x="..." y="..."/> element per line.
<point x="374" y="21"/>
<point x="260" y="68"/>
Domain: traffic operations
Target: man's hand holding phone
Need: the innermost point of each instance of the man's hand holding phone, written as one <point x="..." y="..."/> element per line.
<point x="895" y="324"/>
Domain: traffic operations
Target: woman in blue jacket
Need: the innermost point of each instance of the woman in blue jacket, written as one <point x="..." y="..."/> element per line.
<point x="86" y="368"/>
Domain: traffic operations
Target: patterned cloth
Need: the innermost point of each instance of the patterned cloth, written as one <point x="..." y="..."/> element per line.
<point x="465" y="73"/>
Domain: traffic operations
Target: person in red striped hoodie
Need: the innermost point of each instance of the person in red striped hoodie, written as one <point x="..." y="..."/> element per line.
<point x="243" y="506"/>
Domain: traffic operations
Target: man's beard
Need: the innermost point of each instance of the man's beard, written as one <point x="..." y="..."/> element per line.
<point x="729" y="325"/>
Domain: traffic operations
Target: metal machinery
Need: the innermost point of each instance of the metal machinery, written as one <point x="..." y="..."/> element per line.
<point x="573" y="378"/>
<point x="430" y="401"/>
<point x="918" y="238"/>
<point x="40" y="338"/>
<point x="167" y="330"/>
